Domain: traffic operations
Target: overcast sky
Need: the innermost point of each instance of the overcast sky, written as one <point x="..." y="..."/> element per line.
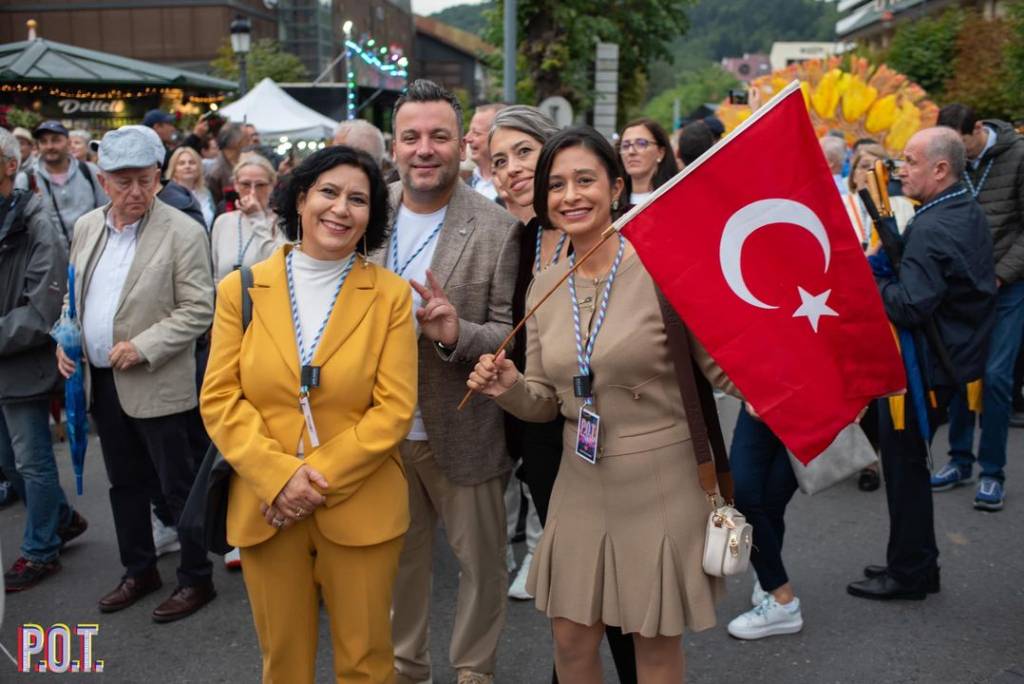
<point x="431" y="6"/>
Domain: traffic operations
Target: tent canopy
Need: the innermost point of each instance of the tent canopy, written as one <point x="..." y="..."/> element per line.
<point x="42" y="61"/>
<point x="275" y="113"/>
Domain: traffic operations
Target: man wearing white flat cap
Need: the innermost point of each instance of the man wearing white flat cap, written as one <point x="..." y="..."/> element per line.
<point x="145" y="292"/>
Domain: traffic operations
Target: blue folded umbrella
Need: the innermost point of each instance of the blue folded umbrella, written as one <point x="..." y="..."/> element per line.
<point x="68" y="334"/>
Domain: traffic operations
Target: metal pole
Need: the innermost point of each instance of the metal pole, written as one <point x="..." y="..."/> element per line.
<point x="243" y="78"/>
<point x="509" y="73"/>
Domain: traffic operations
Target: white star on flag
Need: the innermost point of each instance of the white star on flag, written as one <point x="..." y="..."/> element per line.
<point x="813" y="307"/>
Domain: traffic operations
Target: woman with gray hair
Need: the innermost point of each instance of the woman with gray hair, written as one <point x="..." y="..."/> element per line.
<point x="515" y="140"/>
<point x="78" y="143"/>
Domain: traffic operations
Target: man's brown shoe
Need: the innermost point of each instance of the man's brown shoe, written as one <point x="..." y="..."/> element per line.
<point x="183" y="602"/>
<point x="130" y="590"/>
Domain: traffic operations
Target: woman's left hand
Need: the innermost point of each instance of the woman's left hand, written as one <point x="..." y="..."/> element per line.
<point x="276" y="519"/>
<point x="436" y="315"/>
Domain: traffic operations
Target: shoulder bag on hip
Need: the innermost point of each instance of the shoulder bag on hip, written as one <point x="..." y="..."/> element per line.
<point x="206" y="510"/>
<point x="729" y="537"/>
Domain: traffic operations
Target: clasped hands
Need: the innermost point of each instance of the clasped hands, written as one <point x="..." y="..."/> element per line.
<point x="297" y="499"/>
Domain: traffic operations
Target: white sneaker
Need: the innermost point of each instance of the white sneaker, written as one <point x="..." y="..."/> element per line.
<point x="758" y="594"/>
<point x="165" y="538"/>
<point x="233" y="559"/>
<point x="518" y="588"/>
<point x="769" y="618"/>
<point x="510" y="559"/>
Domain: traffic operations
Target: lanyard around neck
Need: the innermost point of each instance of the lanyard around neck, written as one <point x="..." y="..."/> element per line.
<point x="976" y="189"/>
<point x="554" y="258"/>
<point x="242" y="250"/>
<point x="400" y="270"/>
<point x="585" y="353"/>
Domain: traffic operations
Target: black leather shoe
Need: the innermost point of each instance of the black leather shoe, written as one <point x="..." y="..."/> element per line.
<point x="130" y="590"/>
<point x="932" y="586"/>
<point x="184" y="601"/>
<point x="884" y="588"/>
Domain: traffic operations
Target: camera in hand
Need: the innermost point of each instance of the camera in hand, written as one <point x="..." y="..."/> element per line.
<point x="739" y="97"/>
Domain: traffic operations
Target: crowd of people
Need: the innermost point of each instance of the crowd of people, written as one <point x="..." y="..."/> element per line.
<point x="319" y="320"/>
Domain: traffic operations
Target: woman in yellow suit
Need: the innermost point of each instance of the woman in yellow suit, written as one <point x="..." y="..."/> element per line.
<point x="308" y="405"/>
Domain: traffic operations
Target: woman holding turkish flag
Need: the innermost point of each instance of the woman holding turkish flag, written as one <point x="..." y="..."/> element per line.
<point x="628" y="490"/>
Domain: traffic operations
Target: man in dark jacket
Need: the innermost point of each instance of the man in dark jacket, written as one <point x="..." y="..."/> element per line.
<point x="946" y="275"/>
<point x="33" y="268"/>
<point x="995" y="177"/>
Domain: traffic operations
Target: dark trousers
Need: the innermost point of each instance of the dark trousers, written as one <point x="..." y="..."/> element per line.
<point x="764" y="484"/>
<point x="142" y="456"/>
<point x="911" y="554"/>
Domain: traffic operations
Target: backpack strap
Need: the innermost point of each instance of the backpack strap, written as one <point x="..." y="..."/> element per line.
<point x="247" y="282"/>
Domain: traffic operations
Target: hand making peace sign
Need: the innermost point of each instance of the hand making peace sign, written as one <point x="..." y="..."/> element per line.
<point x="437" y="317"/>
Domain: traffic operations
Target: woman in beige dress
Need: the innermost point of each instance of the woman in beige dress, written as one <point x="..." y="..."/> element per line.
<point x="624" y="536"/>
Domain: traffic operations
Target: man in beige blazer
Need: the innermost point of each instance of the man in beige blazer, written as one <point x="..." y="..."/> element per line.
<point x="460" y="253"/>
<point x="144" y="288"/>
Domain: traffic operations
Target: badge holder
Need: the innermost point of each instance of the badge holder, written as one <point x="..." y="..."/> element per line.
<point x="588" y="430"/>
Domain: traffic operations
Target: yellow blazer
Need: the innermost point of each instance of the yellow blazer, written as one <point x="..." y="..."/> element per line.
<point x="363" y="408"/>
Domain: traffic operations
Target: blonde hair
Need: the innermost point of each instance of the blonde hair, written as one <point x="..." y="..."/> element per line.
<point x="866" y="150"/>
<point x="178" y="154"/>
<point x="255" y="159"/>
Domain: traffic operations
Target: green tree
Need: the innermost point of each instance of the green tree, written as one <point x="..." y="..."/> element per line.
<point x="694" y="88"/>
<point x="925" y="50"/>
<point x="982" y="74"/>
<point x="471" y="18"/>
<point x="266" y="60"/>
<point x="1015" y="56"/>
<point x="556" y="42"/>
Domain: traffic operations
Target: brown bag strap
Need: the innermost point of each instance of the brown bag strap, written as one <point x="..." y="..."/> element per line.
<point x="700" y="408"/>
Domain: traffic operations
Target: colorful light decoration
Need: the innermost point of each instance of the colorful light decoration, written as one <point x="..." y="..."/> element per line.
<point x="388" y="61"/>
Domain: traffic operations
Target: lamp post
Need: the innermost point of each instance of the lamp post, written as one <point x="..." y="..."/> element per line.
<point x="350" y="81"/>
<point x="241" y="40"/>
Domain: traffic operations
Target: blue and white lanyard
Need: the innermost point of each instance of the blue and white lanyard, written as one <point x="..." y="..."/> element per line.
<point x="976" y="190"/>
<point x="584" y="354"/>
<point x="934" y="202"/>
<point x="243" y="250"/>
<point x="400" y="270"/>
<point x="554" y="258"/>
<point x="306" y="355"/>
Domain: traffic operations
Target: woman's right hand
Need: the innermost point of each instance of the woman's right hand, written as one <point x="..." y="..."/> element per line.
<point x="493" y="375"/>
<point x="300" y="496"/>
<point x="65" y="365"/>
<point x="249" y="204"/>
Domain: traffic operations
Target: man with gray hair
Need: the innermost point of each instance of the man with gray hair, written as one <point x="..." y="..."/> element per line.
<point x="362" y="135"/>
<point x="145" y="293"/>
<point x="834" y="149"/>
<point x="482" y="180"/>
<point x="946" y="276"/>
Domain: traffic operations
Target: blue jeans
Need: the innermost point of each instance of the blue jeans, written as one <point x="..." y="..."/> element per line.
<point x="997" y="402"/>
<point x="26" y="456"/>
<point x="764" y="484"/>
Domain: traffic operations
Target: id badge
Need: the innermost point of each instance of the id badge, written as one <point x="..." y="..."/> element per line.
<point x="307" y="413"/>
<point x="587" y="433"/>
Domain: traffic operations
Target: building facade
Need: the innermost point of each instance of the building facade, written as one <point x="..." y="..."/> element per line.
<point x="873" y="22"/>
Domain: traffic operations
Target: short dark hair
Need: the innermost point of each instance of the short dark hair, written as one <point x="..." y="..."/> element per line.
<point x="667" y="167"/>
<point x="286" y="198"/>
<point x="577" y="136"/>
<point x="422" y="90"/>
<point x="959" y="117"/>
<point x="694" y="140"/>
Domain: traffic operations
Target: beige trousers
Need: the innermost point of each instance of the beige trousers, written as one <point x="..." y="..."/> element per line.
<point x="474" y="523"/>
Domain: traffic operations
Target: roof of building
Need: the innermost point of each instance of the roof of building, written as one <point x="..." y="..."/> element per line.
<point x="41" y="61"/>
<point x="458" y="39"/>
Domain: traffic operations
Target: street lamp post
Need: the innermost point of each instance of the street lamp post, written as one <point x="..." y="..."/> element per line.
<point x="241" y="41"/>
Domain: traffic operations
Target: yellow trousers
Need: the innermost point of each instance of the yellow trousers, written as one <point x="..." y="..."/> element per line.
<point x="282" y="576"/>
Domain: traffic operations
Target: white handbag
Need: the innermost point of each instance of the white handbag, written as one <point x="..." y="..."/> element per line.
<point x="727" y="542"/>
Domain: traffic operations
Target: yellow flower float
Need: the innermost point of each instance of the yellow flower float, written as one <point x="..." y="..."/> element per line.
<point x="862" y="102"/>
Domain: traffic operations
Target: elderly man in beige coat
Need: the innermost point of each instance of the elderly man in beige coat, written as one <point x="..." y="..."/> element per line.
<point x="460" y="252"/>
<point x="145" y="292"/>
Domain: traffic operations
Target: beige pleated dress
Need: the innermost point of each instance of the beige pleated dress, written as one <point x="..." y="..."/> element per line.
<point x="624" y="537"/>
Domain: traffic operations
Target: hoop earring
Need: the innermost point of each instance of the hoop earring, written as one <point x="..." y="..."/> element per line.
<point x="366" y="253"/>
<point x="298" y="223"/>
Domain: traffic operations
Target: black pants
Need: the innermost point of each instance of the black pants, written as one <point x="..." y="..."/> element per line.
<point x="143" y="456"/>
<point x="912" y="553"/>
<point x="540" y="445"/>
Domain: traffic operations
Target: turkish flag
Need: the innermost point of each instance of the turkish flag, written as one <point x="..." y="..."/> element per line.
<point x="752" y="246"/>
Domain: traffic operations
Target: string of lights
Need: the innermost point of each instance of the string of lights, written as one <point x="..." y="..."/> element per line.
<point x="388" y="61"/>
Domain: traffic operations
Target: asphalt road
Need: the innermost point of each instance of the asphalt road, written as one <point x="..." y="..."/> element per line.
<point x="973" y="631"/>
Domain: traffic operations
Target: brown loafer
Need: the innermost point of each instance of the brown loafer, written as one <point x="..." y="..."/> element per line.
<point x="183" y="602"/>
<point x="130" y="590"/>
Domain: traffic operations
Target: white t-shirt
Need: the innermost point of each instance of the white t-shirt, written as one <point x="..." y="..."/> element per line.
<point x="415" y="234"/>
<point x="636" y="198"/>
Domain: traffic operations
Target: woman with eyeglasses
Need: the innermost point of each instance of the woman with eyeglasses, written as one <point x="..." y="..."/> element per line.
<point x="249" y="234"/>
<point x="647" y="158"/>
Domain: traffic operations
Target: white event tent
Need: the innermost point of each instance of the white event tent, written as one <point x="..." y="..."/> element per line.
<point x="277" y="114"/>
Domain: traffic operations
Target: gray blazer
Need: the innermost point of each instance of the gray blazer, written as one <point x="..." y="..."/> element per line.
<point x="475" y="260"/>
<point x="166" y="303"/>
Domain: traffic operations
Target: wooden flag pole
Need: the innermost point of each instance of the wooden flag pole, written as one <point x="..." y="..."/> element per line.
<point x="608" y="232"/>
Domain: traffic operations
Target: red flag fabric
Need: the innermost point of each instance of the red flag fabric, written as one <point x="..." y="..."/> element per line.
<point x="754" y="249"/>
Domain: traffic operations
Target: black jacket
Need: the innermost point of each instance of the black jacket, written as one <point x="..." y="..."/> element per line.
<point x="947" y="274"/>
<point x="33" y="277"/>
<point x="1002" y="198"/>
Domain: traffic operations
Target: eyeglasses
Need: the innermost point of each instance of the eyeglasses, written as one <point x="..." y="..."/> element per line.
<point x="253" y="185"/>
<point x="640" y="145"/>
